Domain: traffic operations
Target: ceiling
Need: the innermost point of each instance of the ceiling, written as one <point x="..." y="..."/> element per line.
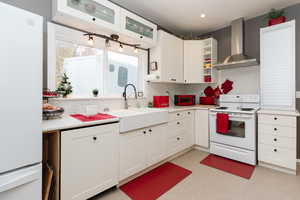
<point x="183" y="16"/>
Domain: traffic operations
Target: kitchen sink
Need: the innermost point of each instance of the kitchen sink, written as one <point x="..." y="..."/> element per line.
<point x="137" y="118"/>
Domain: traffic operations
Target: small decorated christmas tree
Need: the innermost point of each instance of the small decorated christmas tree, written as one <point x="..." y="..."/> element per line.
<point x="64" y="87"/>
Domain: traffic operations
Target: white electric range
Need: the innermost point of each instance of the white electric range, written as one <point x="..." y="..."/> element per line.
<point x="240" y="141"/>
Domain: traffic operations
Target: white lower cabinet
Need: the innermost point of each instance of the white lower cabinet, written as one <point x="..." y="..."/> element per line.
<point x="140" y="149"/>
<point x="277" y="136"/>
<point x="202" y="128"/>
<point x="89" y="161"/>
<point x="180" y="134"/>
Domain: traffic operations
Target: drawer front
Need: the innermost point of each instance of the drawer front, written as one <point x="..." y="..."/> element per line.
<point x="177" y="126"/>
<point x="175" y="144"/>
<point x="277" y="156"/>
<point x="284" y="142"/>
<point x="276" y="130"/>
<point x="179" y="115"/>
<point x="277" y="120"/>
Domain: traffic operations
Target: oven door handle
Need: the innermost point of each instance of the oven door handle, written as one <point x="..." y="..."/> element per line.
<point x="239" y="116"/>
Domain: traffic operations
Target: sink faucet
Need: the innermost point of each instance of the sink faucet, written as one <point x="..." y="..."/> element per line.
<point x="125" y="94"/>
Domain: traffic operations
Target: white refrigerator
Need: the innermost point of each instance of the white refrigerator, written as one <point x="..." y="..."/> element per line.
<point x="21" y="59"/>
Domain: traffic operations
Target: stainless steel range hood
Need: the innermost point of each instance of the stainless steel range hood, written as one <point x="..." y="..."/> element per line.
<point x="237" y="58"/>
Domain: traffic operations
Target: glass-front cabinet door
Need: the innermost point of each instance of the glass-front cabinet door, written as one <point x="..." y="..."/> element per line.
<point x="137" y="27"/>
<point x="100" y="12"/>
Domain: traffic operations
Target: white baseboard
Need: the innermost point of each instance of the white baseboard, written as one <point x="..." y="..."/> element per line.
<point x="201" y="148"/>
<point x="277" y="168"/>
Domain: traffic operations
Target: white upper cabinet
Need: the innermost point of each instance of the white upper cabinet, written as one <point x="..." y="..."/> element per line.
<point x="105" y="17"/>
<point x="168" y="57"/>
<point x="90" y="15"/>
<point x="193" y="61"/>
<point x="278" y="66"/>
<point x="138" y="28"/>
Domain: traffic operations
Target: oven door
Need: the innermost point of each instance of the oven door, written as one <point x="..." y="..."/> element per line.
<point x="241" y="133"/>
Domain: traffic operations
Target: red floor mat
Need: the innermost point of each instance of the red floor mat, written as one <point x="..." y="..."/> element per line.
<point x="230" y="166"/>
<point x="153" y="184"/>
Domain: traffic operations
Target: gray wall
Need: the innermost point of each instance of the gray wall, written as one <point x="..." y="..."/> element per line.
<point x="252" y="43"/>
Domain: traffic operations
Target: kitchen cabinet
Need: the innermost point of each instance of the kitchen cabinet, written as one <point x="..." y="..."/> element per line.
<point x="89" y="15"/>
<point x="277" y="138"/>
<point x="138" y="28"/>
<point x="277" y="68"/>
<point x="168" y="56"/>
<point x="89" y="161"/>
<point x="180" y="134"/>
<point x="140" y="149"/>
<point x="202" y="128"/>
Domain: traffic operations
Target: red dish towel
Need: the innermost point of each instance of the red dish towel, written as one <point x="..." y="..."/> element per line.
<point x="96" y="117"/>
<point x="222" y="123"/>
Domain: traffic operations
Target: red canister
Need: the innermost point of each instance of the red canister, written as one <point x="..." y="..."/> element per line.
<point x="160" y="101"/>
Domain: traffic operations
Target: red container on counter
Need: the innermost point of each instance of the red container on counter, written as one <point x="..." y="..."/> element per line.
<point x="207" y="100"/>
<point x="160" y="101"/>
<point x="207" y="79"/>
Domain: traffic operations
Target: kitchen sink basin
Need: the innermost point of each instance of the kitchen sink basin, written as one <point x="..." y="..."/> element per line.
<point x="137" y="118"/>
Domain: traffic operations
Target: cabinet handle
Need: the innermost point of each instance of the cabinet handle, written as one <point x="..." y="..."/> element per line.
<point x="178" y="123"/>
<point x="94" y="19"/>
<point x="275" y="150"/>
<point x="178" y="114"/>
<point x="150" y="130"/>
<point x="275" y="118"/>
<point x="141" y="37"/>
<point x="275" y="139"/>
<point x="178" y="138"/>
<point x="189" y="113"/>
<point x="144" y="132"/>
<point x="94" y="138"/>
<point x="275" y="129"/>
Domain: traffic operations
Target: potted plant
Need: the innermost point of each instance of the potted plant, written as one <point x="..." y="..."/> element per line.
<point x="64" y="87"/>
<point x="95" y="92"/>
<point x="276" y="16"/>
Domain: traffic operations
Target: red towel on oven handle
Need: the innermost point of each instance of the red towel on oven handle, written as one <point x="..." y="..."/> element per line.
<point x="222" y="123"/>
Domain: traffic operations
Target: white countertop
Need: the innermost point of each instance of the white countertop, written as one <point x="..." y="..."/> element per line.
<point x="67" y="122"/>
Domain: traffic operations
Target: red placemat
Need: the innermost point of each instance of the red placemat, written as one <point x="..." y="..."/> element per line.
<point x="231" y="166"/>
<point x="96" y="117"/>
<point x="155" y="183"/>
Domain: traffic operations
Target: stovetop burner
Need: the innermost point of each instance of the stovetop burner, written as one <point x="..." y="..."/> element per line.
<point x="222" y="108"/>
<point x="247" y="109"/>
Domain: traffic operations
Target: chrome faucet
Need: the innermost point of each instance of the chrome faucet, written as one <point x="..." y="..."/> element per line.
<point x="125" y="94"/>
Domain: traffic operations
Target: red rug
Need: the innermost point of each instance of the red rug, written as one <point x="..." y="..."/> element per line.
<point x="155" y="183"/>
<point x="231" y="166"/>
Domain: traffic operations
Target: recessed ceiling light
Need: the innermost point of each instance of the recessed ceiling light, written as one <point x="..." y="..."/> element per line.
<point x="202" y="15"/>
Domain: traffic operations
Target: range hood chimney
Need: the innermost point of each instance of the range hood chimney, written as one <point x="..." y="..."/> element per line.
<point x="237" y="58"/>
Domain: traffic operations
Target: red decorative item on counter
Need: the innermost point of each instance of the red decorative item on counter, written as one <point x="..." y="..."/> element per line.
<point x="227" y="86"/>
<point x="277" y="20"/>
<point x="207" y="100"/>
<point x="96" y="117"/>
<point x="207" y="79"/>
<point x="160" y="101"/>
<point x="209" y="91"/>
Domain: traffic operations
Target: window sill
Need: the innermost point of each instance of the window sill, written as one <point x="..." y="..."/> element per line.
<point x="93" y="98"/>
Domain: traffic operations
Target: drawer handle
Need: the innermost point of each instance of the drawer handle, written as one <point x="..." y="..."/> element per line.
<point x="144" y="132"/>
<point x="275" y="139"/>
<point x="178" y="138"/>
<point x="95" y="138"/>
<point x="275" y="118"/>
<point x="275" y="150"/>
<point x="189" y="113"/>
<point x="178" y="123"/>
<point x="94" y="19"/>
<point x="275" y="129"/>
<point x="178" y="114"/>
<point x="150" y="130"/>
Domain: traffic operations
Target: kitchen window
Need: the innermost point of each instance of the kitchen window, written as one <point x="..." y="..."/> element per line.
<point x="94" y="67"/>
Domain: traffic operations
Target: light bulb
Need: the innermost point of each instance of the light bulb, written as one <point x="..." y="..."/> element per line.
<point x="91" y="40"/>
<point x="107" y="43"/>
<point x="203" y="15"/>
<point x="121" y="48"/>
<point x="136" y="50"/>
